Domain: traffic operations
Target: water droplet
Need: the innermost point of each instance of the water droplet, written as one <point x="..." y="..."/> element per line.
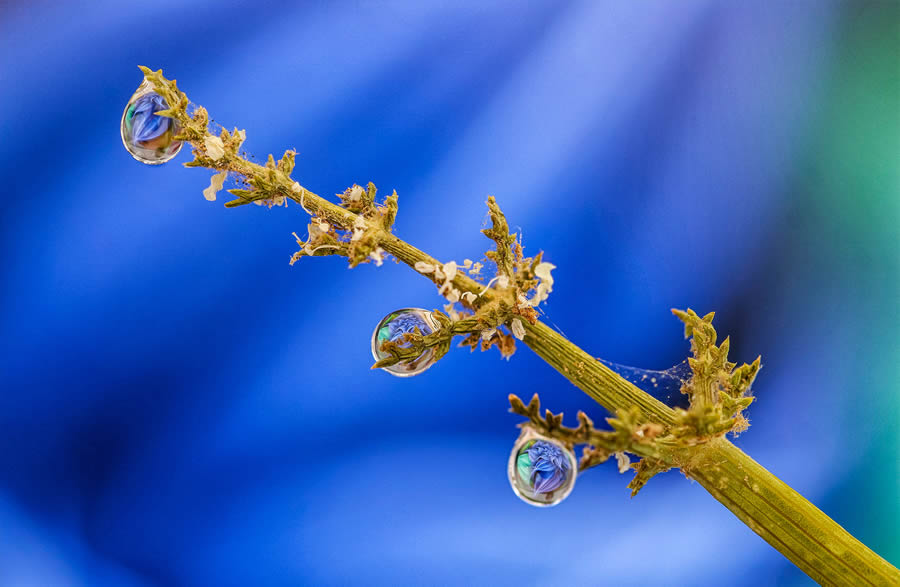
<point x="541" y="470"/>
<point x="148" y="137"/>
<point x="395" y="325"/>
<point x="663" y="385"/>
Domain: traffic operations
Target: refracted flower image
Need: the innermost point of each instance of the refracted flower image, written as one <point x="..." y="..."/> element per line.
<point x="147" y="136"/>
<point x="541" y="471"/>
<point x="392" y="327"/>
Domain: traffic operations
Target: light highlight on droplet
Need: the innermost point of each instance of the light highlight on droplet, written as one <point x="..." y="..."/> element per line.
<point x="391" y="329"/>
<point x="148" y="137"/>
<point x="541" y="470"/>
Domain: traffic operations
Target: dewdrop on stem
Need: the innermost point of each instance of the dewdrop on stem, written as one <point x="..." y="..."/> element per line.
<point x="541" y="470"/>
<point x="149" y="137"/>
<point x="392" y="328"/>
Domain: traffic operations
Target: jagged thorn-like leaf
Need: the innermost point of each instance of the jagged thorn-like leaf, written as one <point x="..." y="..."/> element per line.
<point x="441" y="318"/>
<point x="745" y="402"/>
<point x="685" y="318"/>
<point x="681" y="314"/>
<point x="534" y="405"/>
<point x="386" y="362"/>
<point x="287" y="162"/>
<point x="441" y="349"/>
<point x="586" y="422"/>
<point x="644" y="471"/>
<point x="389" y="213"/>
<point x="516" y="405"/>
<point x="243" y="194"/>
<point x="551" y="419"/>
<point x="618" y="425"/>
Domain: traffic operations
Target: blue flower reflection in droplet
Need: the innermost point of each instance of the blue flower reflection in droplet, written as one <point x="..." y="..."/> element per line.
<point x="149" y="137"/>
<point x="145" y="125"/>
<point x="392" y="328"/>
<point x="549" y="467"/>
<point x="541" y="470"/>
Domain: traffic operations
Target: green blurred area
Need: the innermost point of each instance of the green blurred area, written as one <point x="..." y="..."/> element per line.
<point x="853" y="191"/>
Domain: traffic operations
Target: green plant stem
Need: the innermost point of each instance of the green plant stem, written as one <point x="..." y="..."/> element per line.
<point x="339" y="216"/>
<point x="786" y="520"/>
<point x="605" y="386"/>
<point x="782" y="517"/>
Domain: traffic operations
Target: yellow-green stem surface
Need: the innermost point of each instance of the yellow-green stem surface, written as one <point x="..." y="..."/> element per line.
<point x="782" y="517"/>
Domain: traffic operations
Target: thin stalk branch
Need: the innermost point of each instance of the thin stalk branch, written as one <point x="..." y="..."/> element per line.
<point x="780" y="515"/>
<point x="336" y="215"/>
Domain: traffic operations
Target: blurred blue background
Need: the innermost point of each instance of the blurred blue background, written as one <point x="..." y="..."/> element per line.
<point x="181" y="407"/>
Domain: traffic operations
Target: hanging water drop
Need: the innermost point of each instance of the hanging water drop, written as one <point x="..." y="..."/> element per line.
<point x="148" y="137"/>
<point x="392" y="327"/>
<point x="541" y="470"/>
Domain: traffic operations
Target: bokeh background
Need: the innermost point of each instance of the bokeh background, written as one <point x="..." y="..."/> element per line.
<point x="181" y="407"/>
